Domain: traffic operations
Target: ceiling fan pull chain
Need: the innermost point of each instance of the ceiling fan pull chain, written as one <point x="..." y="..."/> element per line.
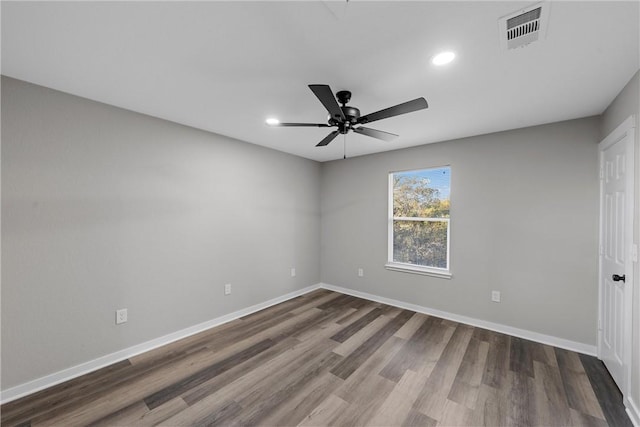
<point x="345" y="146"/>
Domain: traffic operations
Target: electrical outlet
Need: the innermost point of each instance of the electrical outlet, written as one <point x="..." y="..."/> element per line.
<point x="293" y="272"/>
<point x="121" y="316"/>
<point x="360" y="272"/>
<point x="495" y="296"/>
<point x="227" y="289"/>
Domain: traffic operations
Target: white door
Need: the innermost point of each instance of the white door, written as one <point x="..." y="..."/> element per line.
<point x="616" y="247"/>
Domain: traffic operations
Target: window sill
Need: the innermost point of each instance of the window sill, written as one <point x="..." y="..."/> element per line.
<point x="414" y="269"/>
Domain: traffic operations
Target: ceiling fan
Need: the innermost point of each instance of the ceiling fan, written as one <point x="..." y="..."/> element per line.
<point x="346" y="118"/>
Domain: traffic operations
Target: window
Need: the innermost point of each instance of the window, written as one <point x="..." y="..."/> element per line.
<point x="419" y="224"/>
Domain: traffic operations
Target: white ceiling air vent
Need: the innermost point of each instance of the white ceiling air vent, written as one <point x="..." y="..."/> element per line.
<point x="524" y="26"/>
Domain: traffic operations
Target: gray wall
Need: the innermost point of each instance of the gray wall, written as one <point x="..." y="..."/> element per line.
<point x="103" y="208"/>
<point x="524" y="221"/>
<point x="628" y="103"/>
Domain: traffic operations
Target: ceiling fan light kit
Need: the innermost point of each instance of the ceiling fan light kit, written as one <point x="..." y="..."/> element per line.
<point x="346" y="118"/>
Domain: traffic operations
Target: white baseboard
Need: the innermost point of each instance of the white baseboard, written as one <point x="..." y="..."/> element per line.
<point x="497" y="327"/>
<point x="109" y="359"/>
<point x="633" y="411"/>
<point x="50" y="380"/>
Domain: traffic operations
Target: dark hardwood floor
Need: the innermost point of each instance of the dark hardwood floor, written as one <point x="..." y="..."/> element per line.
<point x="330" y="359"/>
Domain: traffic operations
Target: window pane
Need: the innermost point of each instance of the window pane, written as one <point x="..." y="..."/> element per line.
<point x="420" y="243"/>
<point x="422" y="193"/>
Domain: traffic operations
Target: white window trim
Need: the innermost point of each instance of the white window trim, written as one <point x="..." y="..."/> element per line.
<point x="418" y="269"/>
<point x="417" y="218"/>
<point x="444" y="273"/>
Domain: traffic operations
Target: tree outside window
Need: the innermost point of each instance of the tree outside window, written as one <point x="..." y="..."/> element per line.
<point x="419" y="223"/>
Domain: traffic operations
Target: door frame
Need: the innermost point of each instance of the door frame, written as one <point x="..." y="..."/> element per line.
<point x="625" y="129"/>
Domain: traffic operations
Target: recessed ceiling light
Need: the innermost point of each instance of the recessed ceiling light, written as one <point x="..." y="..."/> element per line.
<point x="272" y="121"/>
<point x="443" y="58"/>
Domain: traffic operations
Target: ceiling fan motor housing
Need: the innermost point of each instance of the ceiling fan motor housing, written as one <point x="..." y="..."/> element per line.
<point x="351" y="115"/>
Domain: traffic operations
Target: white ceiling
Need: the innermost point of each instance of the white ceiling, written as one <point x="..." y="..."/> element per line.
<point x="226" y="66"/>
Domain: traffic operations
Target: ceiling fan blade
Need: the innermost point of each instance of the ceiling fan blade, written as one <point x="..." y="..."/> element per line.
<point x="325" y="95"/>
<point x="328" y="139"/>
<point x="396" y="110"/>
<point x="385" y="136"/>
<point x="307" y="125"/>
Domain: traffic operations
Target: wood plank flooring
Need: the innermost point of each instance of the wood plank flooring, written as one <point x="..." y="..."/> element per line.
<point x="330" y="359"/>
